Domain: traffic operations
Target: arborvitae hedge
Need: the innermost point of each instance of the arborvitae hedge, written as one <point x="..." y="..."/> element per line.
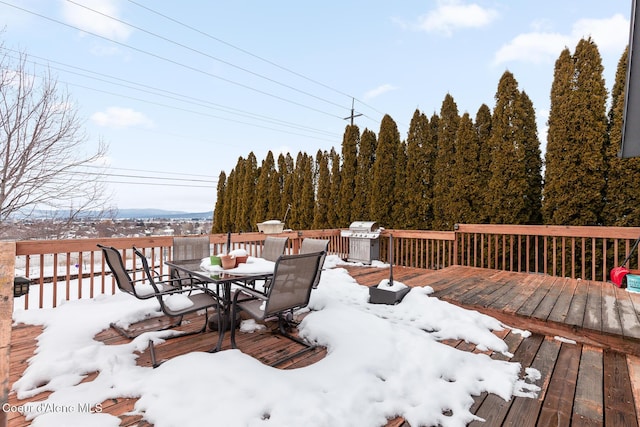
<point x="218" y="225"/>
<point x="384" y="172"/>
<point x="334" y="160"/>
<point x="452" y="169"/>
<point x="323" y="201"/>
<point x="443" y="210"/>
<point x="483" y="128"/>
<point x="466" y="193"/>
<point x="419" y="180"/>
<point x="362" y="194"/>
<point x="575" y="167"/>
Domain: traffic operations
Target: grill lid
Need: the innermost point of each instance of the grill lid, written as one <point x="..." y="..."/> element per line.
<point x="362" y="229"/>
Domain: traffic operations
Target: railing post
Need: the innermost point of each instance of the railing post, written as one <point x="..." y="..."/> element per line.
<point x="7" y="271"/>
<point x="455" y="244"/>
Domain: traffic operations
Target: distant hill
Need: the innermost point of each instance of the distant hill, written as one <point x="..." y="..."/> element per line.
<point x="124" y="213"/>
<point x="160" y="213"/>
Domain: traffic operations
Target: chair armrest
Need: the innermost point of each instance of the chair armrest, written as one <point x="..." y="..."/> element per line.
<point x="183" y="290"/>
<point x="252" y="293"/>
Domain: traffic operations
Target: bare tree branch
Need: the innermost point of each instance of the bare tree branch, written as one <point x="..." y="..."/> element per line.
<point x="42" y="156"/>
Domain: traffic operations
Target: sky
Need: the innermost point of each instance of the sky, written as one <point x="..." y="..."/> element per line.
<point x="391" y="357"/>
<point x="180" y="90"/>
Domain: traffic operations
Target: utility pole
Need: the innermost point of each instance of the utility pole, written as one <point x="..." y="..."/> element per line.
<point x="352" y="116"/>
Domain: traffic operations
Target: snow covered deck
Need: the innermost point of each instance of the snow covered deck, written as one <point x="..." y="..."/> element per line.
<point x="585" y="340"/>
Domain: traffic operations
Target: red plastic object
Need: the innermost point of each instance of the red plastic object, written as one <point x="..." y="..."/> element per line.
<point x="617" y="274"/>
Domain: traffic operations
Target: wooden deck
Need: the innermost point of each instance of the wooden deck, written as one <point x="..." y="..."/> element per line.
<point x="595" y="382"/>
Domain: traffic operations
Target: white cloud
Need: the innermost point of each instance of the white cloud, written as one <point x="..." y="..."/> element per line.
<point x="88" y="20"/>
<point x="373" y="93"/>
<point x="118" y="117"/>
<point x="453" y="14"/>
<point x="533" y="47"/>
<point x="609" y="34"/>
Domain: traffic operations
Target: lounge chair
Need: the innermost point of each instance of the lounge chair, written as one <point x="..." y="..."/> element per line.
<point x="290" y="289"/>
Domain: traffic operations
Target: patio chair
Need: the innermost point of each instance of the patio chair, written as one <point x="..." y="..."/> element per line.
<point x="273" y="247"/>
<point x="189" y="302"/>
<point x="310" y="245"/>
<point x="290" y="289"/>
<point x="137" y="288"/>
<point x="189" y="248"/>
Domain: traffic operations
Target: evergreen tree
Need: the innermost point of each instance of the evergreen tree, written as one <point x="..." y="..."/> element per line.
<point x="399" y="213"/>
<point x="576" y="139"/>
<point x="264" y="197"/>
<point x="513" y="167"/>
<point x="296" y="204"/>
<point x="235" y="195"/>
<point x="383" y="183"/>
<point x="248" y="193"/>
<point x="483" y="129"/>
<point x="528" y="134"/>
<point x="434" y="124"/>
<point x="366" y="158"/>
<point x="275" y="193"/>
<point x="466" y="196"/>
<point x="332" y="214"/>
<point x="419" y="179"/>
<point x="445" y="165"/>
<point x="303" y="201"/>
<point x="622" y="207"/>
<point x="285" y="173"/>
<point x="323" y="201"/>
<point x="307" y="195"/>
<point x="350" y="143"/>
<point x="218" y="225"/>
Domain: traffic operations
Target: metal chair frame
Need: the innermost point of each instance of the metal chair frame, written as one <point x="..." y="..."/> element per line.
<point x="290" y="289"/>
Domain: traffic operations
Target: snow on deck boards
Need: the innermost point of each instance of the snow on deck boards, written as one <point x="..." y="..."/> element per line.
<point x="595" y="381"/>
<point x="587" y="383"/>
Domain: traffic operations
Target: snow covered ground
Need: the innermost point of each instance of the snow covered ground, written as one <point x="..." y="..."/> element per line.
<point x="382" y="361"/>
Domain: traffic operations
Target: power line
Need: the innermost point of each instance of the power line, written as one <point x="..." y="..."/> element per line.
<point x="295" y="73"/>
<point x="177" y="97"/>
<point x="142" y="177"/>
<point x="195" y="112"/>
<point x="171" y="61"/>
<point x="151" y="171"/>
<point x="206" y="54"/>
<point x="164" y="184"/>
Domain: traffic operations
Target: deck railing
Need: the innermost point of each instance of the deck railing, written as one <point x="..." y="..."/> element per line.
<point x="71" y="269"/>
<point x="578" y="252"/>
<point x="432" y="250"/>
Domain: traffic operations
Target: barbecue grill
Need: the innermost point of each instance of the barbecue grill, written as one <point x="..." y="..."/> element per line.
<point x="364" y="241"/>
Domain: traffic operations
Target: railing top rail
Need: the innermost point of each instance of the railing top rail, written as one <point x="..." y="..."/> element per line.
<point x="41" y="247"/>
<point x="420" y="234"/>
<point x="553" y="230"/>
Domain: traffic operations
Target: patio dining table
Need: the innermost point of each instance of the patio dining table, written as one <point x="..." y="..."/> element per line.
<point x="220" y="283"/>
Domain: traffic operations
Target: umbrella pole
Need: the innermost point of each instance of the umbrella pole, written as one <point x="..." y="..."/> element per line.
<point x="390" y="260"/>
